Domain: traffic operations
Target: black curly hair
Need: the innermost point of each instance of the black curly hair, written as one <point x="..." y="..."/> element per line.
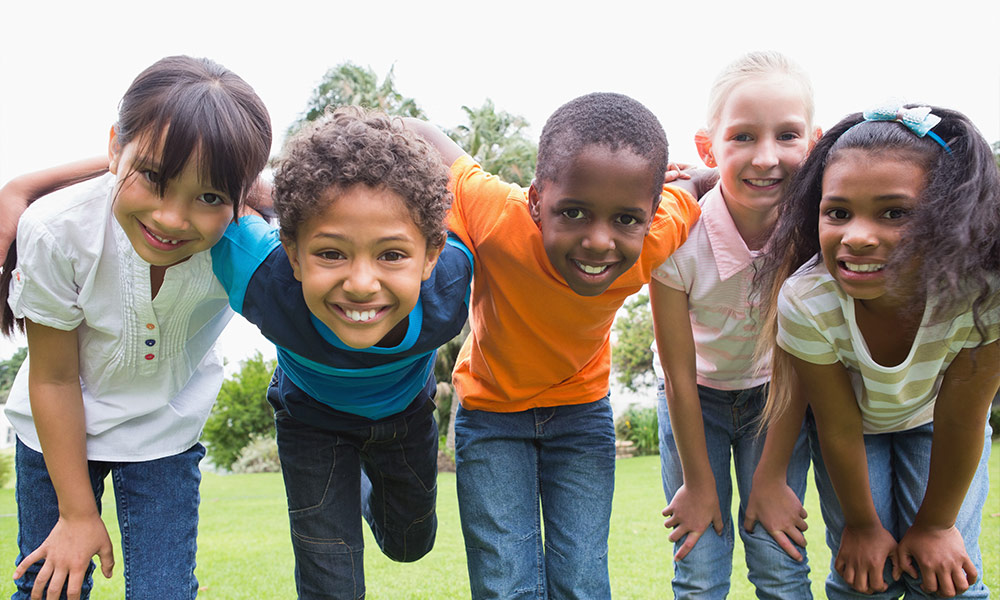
<point x="602" y="118"/>
<point x="354" y="146"/>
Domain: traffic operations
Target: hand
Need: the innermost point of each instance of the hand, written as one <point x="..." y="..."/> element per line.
<point x="690" y="513"/>
<point x="940" y="555"/>
<point x="779" y="512"/>
<point x="677" y="171"/>
<point x="862" y="555"/>
<point x="67" y="552"/>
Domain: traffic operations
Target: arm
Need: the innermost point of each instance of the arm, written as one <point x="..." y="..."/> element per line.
<point x="772" y="502"/>
<point x="449" y="150"/>
<point x="57" y="409"/>
<point x="864" y="543"/>
<point x="694" y="180"/>
<point x="695" y="506"/>
<point x="17" y="193"/>
<point x="960" y="412"/>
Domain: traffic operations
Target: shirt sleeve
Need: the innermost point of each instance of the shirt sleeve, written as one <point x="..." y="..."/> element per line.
<point x="43" y="286"/>
<point x="799" y="333"/>
<point x="480" y="199"/>
<point x="669" y="275"/>
<point x="236" y="257"/>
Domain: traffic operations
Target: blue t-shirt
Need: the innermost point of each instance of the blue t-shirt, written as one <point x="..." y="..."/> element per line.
<point x="318" y="376"/>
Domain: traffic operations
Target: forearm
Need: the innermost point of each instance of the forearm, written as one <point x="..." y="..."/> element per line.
<point x="449" y="150"/>
<point x="39" y="183"/>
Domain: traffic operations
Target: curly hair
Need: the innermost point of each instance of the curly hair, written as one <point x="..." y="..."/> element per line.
<point x="606" y="119"/>
<point x="953" y="233"/>
<point x="353" y="146"/>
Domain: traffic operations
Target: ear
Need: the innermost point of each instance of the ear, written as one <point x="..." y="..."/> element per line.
<point x="291" y="250"/>
<point x="430" y="261"/>
<point x="703" y="142"/>
<point x="114" y="152"/>
<point x="816" y="134"/>
<point x="534" y="205"/>
<point x="652" y="216"/>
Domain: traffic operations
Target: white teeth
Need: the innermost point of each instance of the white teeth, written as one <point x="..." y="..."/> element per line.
<point x="164" y="240"/>
<point x="763" y="182"/>
<point x="591" y="269"/>
<point x="361" y="315"/>
<point x="865" y="268"/>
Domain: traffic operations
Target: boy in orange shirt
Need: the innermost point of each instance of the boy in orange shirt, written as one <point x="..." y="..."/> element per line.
<point x="553" y="264"/>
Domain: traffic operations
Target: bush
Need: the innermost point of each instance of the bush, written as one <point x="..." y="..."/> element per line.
<point x="241" y="413"/>
<point x="641" y="427"/>
<point x="6" y="468"/>
<point x="259" y="456"/>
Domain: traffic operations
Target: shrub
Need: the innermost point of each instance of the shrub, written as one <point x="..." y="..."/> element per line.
<point x="259" y="456"/>
<point x="641" y="427"/>
<point x="241" y="412"/>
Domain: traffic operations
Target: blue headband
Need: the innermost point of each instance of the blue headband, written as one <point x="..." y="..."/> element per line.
<point x="919" y="120"/>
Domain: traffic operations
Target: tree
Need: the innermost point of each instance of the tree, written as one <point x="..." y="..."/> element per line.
<point x="497" y="141"/>
<point x="8" y="369"/>
<point x="241" y="412"/>
<point x="350" y="84"/>
<point x="631" y="357"/>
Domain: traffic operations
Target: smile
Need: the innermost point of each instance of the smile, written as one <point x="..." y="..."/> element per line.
<point x="360" y="316"/>
<point x="591" y="269"/>
<point x="167" y="243"/>
<point x="863" y="268"/>
<point x="762" y="183"/>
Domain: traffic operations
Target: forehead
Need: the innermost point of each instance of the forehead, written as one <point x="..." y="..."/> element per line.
<point x="383" y="212"/>
<point x="860" y="174"/>
<point x="775" y="97"/>
<point x="601" y="177"/>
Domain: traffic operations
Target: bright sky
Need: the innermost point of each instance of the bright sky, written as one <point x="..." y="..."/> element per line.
<point x="64" y="65"/>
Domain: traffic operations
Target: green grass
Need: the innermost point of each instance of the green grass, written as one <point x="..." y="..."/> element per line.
<point x="244" y="550"/>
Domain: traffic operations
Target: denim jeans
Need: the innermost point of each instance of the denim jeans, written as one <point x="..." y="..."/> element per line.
<point x="385" y="473"/>
<point x="157" y="503"/>
<point x="730" y="418"/>
<point x="516" y="471"/>
<point x="898" y="466"/>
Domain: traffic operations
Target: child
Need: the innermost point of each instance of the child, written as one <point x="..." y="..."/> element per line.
<point x="759" y="131"/>
<point x="553" y="265"/>
<point x="122" y="312"/>
<point x="891" y="321"/>
<point x="357" y="291"/>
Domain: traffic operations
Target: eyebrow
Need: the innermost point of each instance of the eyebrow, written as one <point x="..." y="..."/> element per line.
<point x="882" y="198"/>
<point x="381" y="240"/>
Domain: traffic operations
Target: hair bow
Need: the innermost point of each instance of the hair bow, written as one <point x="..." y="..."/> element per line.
<point x="919" y="120"/>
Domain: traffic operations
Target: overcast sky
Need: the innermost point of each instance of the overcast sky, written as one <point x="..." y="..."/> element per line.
<point x="64" y="65"/>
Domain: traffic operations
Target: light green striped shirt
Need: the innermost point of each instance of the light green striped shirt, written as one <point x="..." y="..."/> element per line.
<point x="816" y="323"/>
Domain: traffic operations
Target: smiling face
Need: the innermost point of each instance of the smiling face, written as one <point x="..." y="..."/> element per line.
<point x="595" y="217"/>
<point x="361" y="261"/>
<point x="190" y="217"/>
<point x="864" y="208"/>
<point x="760" y="138"/>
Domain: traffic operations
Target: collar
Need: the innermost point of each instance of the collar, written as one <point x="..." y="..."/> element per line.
<point x="730" y="251"/>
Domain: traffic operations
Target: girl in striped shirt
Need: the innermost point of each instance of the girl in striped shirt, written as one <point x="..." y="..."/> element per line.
<point x="883" y="306"/>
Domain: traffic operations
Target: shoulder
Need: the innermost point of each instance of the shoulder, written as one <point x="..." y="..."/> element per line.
<point x="75" y="206"/>
<point x="813" y="294"/>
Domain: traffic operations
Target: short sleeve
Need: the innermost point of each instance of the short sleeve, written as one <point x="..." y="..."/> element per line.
<point x="236" y="257"/>
<point x="43" y="286"/>
<point x="669" y="275"/>
<point x="799" y="333"/>
<point x="480" y="199"/>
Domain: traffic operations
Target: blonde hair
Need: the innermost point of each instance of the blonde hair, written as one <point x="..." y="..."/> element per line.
<point x="754" y="65"/>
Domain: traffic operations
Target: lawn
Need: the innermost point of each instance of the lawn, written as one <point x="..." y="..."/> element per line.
<point x="244" y="550"/>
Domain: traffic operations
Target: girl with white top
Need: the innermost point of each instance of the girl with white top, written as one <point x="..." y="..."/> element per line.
<point x="883" y="302"/>
<point x="712" y="389"/>
<point x="122" y="311"/>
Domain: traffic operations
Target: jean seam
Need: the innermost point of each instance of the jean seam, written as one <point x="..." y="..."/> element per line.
<point x="121" y="498"/>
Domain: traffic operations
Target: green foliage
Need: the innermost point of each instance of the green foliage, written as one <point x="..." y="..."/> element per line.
<point x="259" y="456"/>
<point x="6" y="468"/>
<point x="350" y="84"/>
<point x="8" y="369"/>
<point x="241" y="412"/>
<point x="498" y="142"/>
<point x="641" y="427"/>
<point x="631" y="357"/>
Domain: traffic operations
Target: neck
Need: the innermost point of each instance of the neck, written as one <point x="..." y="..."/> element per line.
<point x="754" y="226"/>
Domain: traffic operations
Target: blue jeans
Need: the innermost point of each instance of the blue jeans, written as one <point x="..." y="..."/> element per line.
<point x="518" y="470"/>
<point x="898" y="466"/>
<point x="730" y="418"/>
<point x="157" y="503"/>
<point x="385" y="473"/>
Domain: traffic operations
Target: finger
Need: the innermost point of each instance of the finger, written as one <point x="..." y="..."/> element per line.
<point x="672" y="522"/>
<point x="717" y="523"/>
<point x="678" y="533"/>
<point x="897" y="559"/>
<point x="930" y="583"/>
<point x="971" y="574"/>
<point x="687" y="546"/>
<point x="107" y="557"/>
<point x="667" y="511"/>
<point x="907" y="565"/>
<point x="41" y="580"/>
<point x="749" y="522"/>
<point x="875" y="579"/>
<point x="56" y="584"/>
<point x="787" y="546"/>
<point x="29" y="560"/>
<point x="73" y="584"/>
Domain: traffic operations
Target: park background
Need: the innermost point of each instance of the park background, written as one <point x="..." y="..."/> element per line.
<point x="64" y="66"/>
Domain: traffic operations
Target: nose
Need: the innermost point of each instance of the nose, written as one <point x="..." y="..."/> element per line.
<point x="599" y="238"/>
<point x="766" y="155"/>
<point x="172" y="214"/>
<point x="859" y="234"/>
<point x="362" y="280"/>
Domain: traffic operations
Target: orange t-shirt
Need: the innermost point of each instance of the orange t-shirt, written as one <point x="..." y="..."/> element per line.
<point x="535" y="342"/>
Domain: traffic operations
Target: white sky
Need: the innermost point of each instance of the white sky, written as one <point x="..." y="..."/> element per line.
<point x="64" y="65"/>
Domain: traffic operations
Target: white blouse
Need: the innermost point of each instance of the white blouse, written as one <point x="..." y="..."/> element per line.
<point x="148" y="367"/>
